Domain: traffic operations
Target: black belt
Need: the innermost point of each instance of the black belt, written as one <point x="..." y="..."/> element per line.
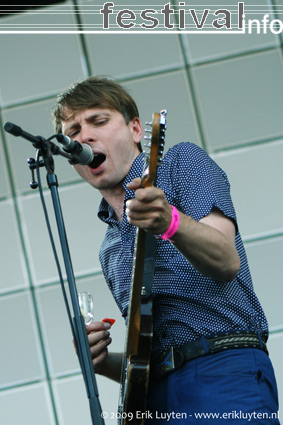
<point x="174" y="358"/>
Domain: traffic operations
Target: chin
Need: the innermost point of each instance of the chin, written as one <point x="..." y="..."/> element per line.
<point x="98" y="184"/>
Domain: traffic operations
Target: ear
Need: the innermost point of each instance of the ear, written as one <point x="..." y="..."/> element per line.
<point x="136" y="129"/>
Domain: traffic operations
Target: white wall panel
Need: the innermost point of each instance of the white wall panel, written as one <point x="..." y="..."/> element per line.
<point x="21" y="358"/>
<point x="4" y="180"/>
<point x="275" y="346"/>
<point x="56" y="328"/>
<point x="265" y="259"/>
<point x="40" y="64"/>
<point x="115" y="54"/>
<point x="56" y="332"/>
<point x="256" y="177"/>
<point x="84" y="231"/>
<point x="206" y="47"/>
<point x="12" y="265"/>
<point x="170" y="91"/>
<point x="72" y="402"/>
<point x="36" y="120"/>
<point x="240" y="100"/>
<point x="29" y="405"/>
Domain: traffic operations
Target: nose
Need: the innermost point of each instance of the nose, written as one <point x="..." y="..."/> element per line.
<point x="87" y="135"/>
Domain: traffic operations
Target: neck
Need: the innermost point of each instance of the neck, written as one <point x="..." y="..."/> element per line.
<point x="115" y="195"/>
<point x="115" y="198"/>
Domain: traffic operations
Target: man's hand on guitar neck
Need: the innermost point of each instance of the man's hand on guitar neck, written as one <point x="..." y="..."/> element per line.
<point x="104" y="363"/>
<point x="149" y="209"/>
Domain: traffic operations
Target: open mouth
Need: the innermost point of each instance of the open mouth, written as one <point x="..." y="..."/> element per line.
<point x="98" y="159"/>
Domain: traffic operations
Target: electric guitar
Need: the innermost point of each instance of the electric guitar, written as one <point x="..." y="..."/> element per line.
<point x="136" y="361"/>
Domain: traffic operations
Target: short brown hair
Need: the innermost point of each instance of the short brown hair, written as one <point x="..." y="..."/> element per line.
<point x="94" y="92"/>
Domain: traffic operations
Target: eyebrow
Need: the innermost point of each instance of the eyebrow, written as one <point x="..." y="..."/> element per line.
<point x="95" y="115"/>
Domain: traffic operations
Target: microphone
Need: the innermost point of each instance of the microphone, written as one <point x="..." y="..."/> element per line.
<point x="17" y="131"/>
<point x="74" y="151"/>
<point x="80" y="152"/>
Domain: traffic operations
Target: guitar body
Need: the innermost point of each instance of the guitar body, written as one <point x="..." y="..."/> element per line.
<point x="134" y="383"/>
<point x="138" y="371"/>
<point x="136" y="363"/>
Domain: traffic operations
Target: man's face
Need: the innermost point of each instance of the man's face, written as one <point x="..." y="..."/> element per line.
<point x="113" y="142"/>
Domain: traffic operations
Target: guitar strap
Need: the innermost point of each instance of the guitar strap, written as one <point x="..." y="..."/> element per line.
<point x="149" y="265"/>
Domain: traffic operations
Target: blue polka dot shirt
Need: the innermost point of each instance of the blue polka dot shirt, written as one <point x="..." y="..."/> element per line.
<point x="187" y="305"/>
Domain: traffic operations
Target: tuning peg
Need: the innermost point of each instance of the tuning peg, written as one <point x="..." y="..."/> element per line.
<point x="148" y="123"/>
<point x="147" y="137"/>
<point x="163" y="114"/>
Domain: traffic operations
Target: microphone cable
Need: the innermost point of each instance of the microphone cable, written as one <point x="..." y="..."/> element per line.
<point x="53" y="245"/>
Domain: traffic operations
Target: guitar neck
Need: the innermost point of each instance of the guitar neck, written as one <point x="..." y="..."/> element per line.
<point x="134" y="317"/>
<point x="136" y="362"/>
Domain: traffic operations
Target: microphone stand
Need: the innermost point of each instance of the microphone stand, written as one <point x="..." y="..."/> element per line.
<point x="77" y="324"/>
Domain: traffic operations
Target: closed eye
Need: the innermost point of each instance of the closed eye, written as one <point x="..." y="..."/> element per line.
<point x="73" y="134"/>
<point x="97" y="119"/>
<point x="101" y="122"/>
<point x="72" y="131"/>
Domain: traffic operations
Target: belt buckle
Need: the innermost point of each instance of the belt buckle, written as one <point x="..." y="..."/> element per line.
<point x="172" y="360"/>
<point x="167" y="364"/>
<point x="178" y="358"/>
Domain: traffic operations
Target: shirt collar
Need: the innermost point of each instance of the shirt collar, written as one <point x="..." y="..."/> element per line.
<point x="105" y="211"/>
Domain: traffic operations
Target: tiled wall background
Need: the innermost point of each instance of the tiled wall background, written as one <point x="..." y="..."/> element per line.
<point x="223" y="92"/>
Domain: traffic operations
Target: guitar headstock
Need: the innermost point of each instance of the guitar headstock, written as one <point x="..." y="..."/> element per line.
<point x="156" y="142"/>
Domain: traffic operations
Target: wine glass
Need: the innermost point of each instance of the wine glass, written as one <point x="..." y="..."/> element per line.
<point x="86" y="306"/>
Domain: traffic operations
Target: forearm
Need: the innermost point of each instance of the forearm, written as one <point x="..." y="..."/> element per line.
<point x="207" y="249"/>
<point x="209" y="245"/>
<point x="111" y="367"/>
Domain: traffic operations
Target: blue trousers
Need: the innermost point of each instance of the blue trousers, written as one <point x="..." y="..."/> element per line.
<point x="237" y="386"/>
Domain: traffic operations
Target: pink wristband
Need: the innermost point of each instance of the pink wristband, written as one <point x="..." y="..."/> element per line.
<point x="172" y="229"/>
